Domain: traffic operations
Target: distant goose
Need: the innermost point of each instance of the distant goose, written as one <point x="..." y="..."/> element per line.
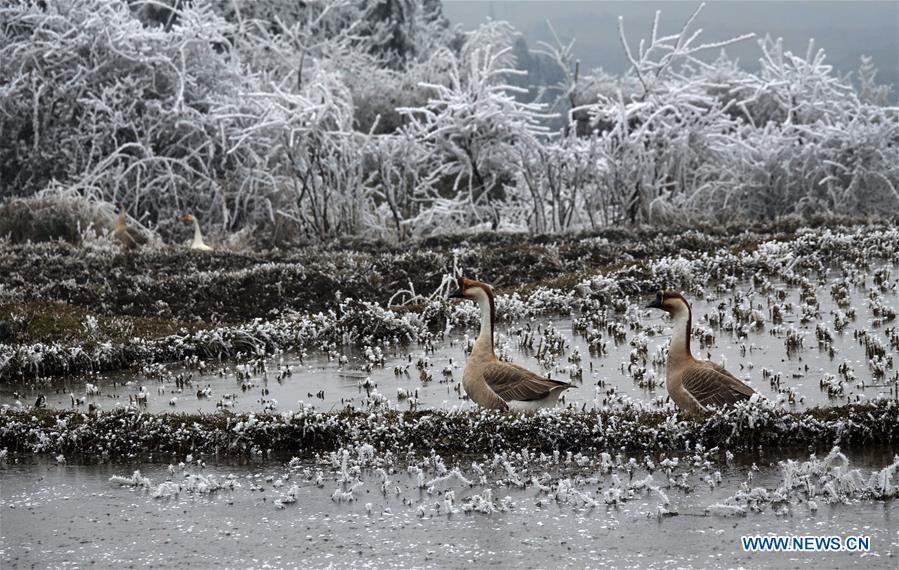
<point x="198" y="242"/>
<point x="694" y="385"/>
<point x="127" y="236"/>
<point x="491" y="383"/>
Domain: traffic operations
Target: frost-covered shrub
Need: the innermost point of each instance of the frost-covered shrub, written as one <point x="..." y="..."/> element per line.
<point x="708" y="140"/>
<point x="475" y="130"/>
<point x="395" y="32"/>
<point x="381" y="50"/>
<point x="401" y="184"/>
<point x="559" y="181"/>
<point x="301" y="157"/>
<point x="869" y="90"/>
<point x="118" y="109"/>
<point x="844" y="167"/>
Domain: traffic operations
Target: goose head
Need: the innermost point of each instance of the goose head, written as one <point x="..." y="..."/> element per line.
<point x="470" y="289"/>
<point x="120" y="221"/>
<point x="672" y="303"/>
<point x="482" y="294"/>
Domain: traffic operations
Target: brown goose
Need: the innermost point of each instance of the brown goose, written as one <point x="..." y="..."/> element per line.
<point x="491" y="383"/>
<point x="694" y="385"/>
<point x="128" y="237"/>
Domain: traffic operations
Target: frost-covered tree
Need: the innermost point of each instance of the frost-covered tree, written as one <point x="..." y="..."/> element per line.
<point x="869" y="90"/>
<point x="558" y="182"/>
<point x="316" y="120"/>
<point x="652" y="136"/>
<point x="402" y="186"/>
<point x="474" y="129"/>
<point x="92" y="97"/>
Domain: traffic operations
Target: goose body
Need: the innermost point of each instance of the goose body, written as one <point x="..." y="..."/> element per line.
<point x="128" y="237"/>
<point x="491" y="383"/>
<point x="197" y="242"/>
<point x="694" y="385"/>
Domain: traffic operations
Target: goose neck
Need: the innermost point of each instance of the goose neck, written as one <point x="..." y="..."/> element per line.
<point x="486" y="305"/>
<point x="680" y="339"/>
<point x="198" y="235"/>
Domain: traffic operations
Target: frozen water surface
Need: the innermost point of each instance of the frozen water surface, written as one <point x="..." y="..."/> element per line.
<point x="60" y="515"/>
<point x="827" y="357"/>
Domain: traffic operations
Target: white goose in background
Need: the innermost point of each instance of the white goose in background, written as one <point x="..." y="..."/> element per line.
<point x="197" y="242"/>
<point x="494" y="384"/>
<point x="694" y="385"/>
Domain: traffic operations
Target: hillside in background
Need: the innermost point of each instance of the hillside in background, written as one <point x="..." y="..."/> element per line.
<point x="848" y="30"/>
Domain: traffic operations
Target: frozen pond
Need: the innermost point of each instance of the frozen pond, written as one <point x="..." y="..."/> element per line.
<point x="73" y="515"/>
<point x="827" y="345"/>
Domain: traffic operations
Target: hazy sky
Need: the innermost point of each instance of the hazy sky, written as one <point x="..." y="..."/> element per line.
<point x="846" y="29"/>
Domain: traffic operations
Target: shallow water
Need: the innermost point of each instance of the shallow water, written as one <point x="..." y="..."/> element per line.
<point x="72" y="515"/>
<point x="609" y="380"/>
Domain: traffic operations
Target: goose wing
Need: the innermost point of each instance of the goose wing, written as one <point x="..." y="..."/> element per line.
<point x="138" y="237"/>
<point x="129" y="238"/>
<point x="489" y="399"/>
<point x="511" y="382"/>
<point x="712" y="385"/>
<point x="124" y="238"/>
<point x="723" y="370"/>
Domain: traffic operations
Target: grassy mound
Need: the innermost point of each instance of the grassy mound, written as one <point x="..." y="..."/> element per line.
<point x="746" y="427"/>
<point x="53" y="217"/>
